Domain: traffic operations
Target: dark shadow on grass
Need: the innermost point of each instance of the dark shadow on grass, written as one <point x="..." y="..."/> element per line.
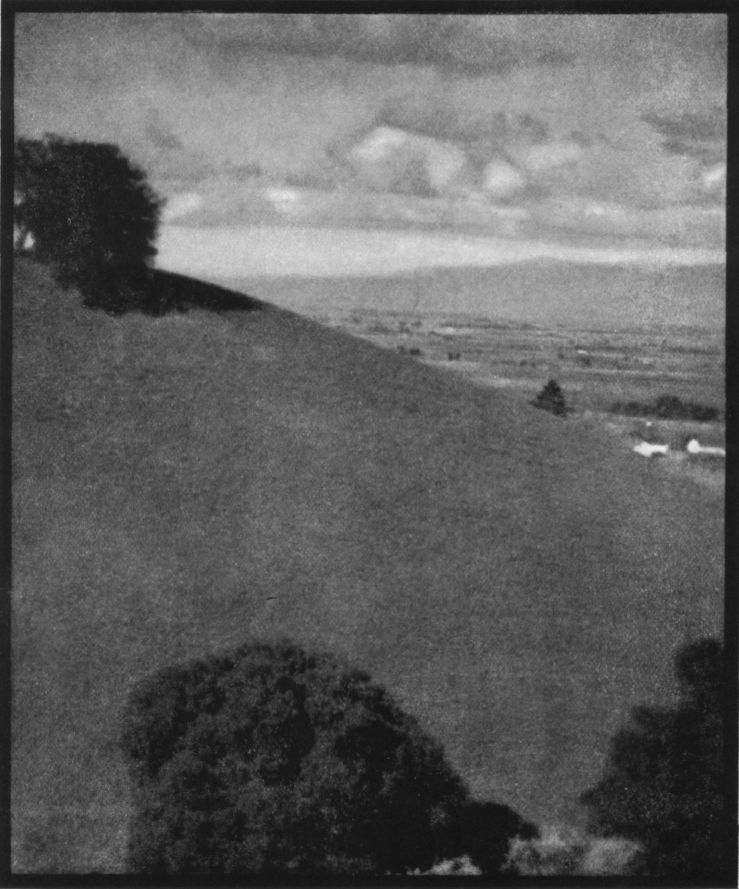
<point x="169" y="292"/>
<point x="163" y="292"/>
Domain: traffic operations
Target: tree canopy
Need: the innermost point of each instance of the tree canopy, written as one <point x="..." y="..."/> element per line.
<point x="91" y="214"/>
<point x="665" y="780"/>
<point x="271" y="761"/>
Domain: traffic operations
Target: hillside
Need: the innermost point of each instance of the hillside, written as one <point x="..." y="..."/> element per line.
<point x="183" y="483"/>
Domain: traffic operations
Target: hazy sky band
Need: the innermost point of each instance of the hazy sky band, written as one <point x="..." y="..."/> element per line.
<point x="530" y="128"/>
<point x="276" y="250"/>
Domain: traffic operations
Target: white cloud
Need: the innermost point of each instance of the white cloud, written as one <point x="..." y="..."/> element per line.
<point x="714" y="178"/>
<point x="286" y="201"/>
<point x="549" y="155"/>
<point x="392" y="159"/>
<point x="501" y="179"/>
<point x="181" y="205"/>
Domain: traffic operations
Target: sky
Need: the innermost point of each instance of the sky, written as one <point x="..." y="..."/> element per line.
<point x="371" y="144"/>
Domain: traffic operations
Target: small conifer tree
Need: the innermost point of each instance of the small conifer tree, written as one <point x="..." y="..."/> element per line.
<point x="552" y="399"/>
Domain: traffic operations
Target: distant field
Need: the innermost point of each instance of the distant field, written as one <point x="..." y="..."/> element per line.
<point x="595" y="369"/>
<point x="181" y="484"/>
<point x="606" y="334"/>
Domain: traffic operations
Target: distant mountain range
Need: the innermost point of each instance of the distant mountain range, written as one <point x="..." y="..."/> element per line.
<point x="578" y="296"/>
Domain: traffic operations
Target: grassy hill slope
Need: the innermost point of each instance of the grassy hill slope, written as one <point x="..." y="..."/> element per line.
<point x="186" y="482"/>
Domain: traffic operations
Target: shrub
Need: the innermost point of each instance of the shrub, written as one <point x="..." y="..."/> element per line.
<point x="565" y="852"/>
<point x="552" y="399"/>
<point x="91" y="215"/>
<point x="271" y="761"/>
<point x="664" y="783"/>
<point x="667" y="407"/>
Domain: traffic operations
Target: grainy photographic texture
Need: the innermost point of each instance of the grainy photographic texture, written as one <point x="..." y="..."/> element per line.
<point x="368" y="444"/>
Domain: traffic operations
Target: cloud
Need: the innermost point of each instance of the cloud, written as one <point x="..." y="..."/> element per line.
<point x="434" y="115"/>
<point x="501" y="180"/>
<point x="220" y="199"/>
<point x="675" y="225"/>
<point x="714" y="178"/>
<point x="695" y="126"/>
<point x="698" y="135"/>
<point x="705" y="153"/>
<point x="161" y="136"/>
<point x="395" y="160"/>
<point x="181" y="205"/>
<point x="472" y="44"/>
<point x="545" y="156"/>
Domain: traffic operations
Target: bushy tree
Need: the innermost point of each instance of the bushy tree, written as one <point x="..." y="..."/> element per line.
<point x="91" y="215"/>
<point x="271" y="761"/>
<point x="665" y="781"/>
<point x="552" y="399"/>
<point x="482" y="831"/>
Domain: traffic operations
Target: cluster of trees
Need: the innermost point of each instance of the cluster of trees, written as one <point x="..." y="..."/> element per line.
<point x="90" y="215"/>
<point x="271" y="761"/>
<point x="667" y="407"/>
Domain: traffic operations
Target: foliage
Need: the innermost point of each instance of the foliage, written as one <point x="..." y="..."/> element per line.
<point x="667" y="407"/>
<point x="664" y="782"/>
<point x="92" y="217"/>
<point x="483" y="831"/>
<point x="272" y="761"/>
<point x="565" y="852"/>
<point x="552" y="399"/>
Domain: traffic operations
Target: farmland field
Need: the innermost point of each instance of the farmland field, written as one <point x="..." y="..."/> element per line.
<point x="646" y="334"/>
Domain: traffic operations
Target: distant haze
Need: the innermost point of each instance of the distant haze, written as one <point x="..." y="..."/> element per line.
<point x="329" y="252"/>
<point x="575" y="287"/>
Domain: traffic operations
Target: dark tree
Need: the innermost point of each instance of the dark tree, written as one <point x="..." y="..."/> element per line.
<point x="552" y="399"/>
<point x="665" y="781"/>
<point x="483" y="831"/>
<point x="270" y="761"/>
<point x="92" y="216"/>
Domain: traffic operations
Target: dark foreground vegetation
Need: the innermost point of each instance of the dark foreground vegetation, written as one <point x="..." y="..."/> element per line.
<point x="666" y="784"/>
<point x="667" y="407"/>
<point x="271" y="761"/>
